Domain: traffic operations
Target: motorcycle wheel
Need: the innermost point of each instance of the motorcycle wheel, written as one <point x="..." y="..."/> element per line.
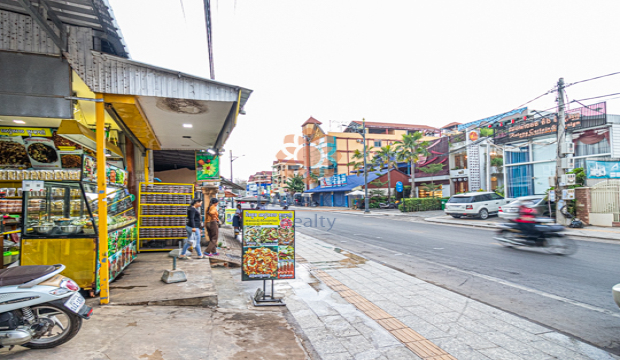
<point x="66" y="326"/>
<point x="508" y="235"/>
<point x="560" y="246"/>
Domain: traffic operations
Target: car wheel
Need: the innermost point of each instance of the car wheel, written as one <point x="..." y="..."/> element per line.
<point x="456" y="216"/>
<point x="483" y="214"/>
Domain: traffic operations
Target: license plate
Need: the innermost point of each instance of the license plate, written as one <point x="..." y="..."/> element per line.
<point x="75" y="302"/>
<point x="513" y="210"/>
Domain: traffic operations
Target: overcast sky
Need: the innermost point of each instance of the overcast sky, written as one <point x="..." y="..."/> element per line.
<point x="415" y="62"/>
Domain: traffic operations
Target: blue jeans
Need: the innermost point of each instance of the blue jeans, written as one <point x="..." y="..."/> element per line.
<point x="186" y="245"/>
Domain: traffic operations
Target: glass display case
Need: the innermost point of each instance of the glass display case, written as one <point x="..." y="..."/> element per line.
<point x="62" y="227"/>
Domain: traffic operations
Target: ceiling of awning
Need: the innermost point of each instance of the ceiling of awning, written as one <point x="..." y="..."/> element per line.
<point x="173" y="159"/>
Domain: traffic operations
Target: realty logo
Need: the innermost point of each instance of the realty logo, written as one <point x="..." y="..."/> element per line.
<point x="322" y="153"/>
<point x="315" y="222"/>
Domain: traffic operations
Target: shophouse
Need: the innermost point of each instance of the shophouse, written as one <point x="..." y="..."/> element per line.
<point x="530" y="146"/>
<point x="476" y="163"/>
<point x="260" y="184"/>
<point x="64" y="72"/>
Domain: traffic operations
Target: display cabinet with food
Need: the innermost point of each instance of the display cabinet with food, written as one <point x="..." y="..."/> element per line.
<point x="62" y="227"/>
<point x="162" y="210"/>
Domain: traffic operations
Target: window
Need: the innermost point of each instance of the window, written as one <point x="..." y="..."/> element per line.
<point x="518" y="156"/>
<point x="377" y="143"/>
<point x="496" y="197"/>
<point x="543" y="151"/>
<point x="460" y="200"/>
<point x="485" y="197"/>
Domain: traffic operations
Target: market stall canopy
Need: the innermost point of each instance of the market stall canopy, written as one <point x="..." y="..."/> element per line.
<point x="230" y="184"/>
<point x="353" y="181"/>
<point x="356" y="193"/>
<point x="80" y="134"/>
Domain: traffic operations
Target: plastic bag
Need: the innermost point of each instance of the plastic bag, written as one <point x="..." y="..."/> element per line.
<point x="192" y="239"/>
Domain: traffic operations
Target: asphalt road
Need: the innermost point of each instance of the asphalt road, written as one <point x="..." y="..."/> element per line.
<point x="571" y="294"/>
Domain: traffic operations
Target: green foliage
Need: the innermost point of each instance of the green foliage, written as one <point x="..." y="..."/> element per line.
<point x="431" y="188"/>
<point x="420" y="204"/>
<point x="432" y="169"/>
<point x="295" y="184"/>
<point x="486" y="132"/>
<point x="497" y="161"/>
<point x="409" y="150"/>
<point x="580" y="177"/>
<point x="500" y="191"/>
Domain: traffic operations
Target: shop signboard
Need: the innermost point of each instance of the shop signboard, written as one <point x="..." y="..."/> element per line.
<point x="602" y="169"/>
<point x="268" y="248"/>
<point x="575" y="119"/>
<point x="335" y="180"/>
<point x="207" y="167"/>
<point x="399" y="186"/>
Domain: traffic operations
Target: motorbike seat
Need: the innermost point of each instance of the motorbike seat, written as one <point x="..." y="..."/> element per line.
<point x="549" y="228"/>
<point x="22" y="274"/>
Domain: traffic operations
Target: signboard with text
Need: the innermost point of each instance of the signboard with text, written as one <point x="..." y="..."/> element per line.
<point x="602" y="169"/>
<point x="575" y="119"/>
<point x="336" y="180"/>
<point x="268" y="247"/>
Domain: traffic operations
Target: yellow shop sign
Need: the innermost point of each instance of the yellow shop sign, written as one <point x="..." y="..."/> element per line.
<point x="24" y="131"/>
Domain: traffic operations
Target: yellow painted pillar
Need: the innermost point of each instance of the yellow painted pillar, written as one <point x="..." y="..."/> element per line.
<point x="102" y="205"/>
<point x="146" y="165"/>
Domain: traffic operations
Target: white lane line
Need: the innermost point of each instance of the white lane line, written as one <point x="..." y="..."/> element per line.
<point x="508" y="283"/>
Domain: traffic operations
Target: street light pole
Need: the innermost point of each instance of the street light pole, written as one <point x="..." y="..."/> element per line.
<point x="233" y="158"/>
<point x="366" y="209"/>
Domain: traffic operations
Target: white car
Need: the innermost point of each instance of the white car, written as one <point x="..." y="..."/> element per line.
<point x="475" y="204"/>
<point x="511" y="211"/>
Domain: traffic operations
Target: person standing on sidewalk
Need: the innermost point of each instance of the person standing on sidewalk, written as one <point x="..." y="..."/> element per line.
<point x="211" y="221"/>
<point x="192" y="227"/>
<point x="237" y="219"/>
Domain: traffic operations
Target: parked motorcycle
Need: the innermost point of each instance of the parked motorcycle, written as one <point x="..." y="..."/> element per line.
<point x="553" y="241"/>
<point x="40" y="308"/>
<point x="387" y="206"/>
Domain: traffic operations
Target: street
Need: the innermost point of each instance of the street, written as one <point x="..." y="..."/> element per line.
<point x="570" y="294"/>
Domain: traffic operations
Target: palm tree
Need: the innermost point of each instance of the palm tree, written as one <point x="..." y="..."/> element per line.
<point x="295" y="184"/>
<point x="357" y="159"/>
<point x="409" y="149"/>
<point x="386" y="157"/>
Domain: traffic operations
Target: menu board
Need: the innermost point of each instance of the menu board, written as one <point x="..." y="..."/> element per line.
<point x="268" y="245"/>
<point x="114" y="174"/>
<point x="38" y="149"/>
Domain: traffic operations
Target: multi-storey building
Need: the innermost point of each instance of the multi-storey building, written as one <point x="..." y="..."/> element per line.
<point x="282" y="171"/>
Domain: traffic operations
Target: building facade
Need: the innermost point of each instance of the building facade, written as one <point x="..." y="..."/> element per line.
<point x="282" y="171"/>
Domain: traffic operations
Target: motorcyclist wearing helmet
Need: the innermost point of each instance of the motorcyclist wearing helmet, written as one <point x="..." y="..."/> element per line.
<point x="527" y="223"/>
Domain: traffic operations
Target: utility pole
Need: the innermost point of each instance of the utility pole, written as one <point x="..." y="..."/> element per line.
<point x="366" y="208"/>
<point x="559" y="217"/>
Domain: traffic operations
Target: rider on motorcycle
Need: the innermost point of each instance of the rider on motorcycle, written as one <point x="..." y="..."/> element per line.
<point x="527" y="223"/>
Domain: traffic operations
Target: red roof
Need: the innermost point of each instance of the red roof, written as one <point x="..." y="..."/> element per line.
<point x="312" y="120"/>
<point x="370" y="124"/>
<point x="289" y="161"/>
<point x="452" y="124"/>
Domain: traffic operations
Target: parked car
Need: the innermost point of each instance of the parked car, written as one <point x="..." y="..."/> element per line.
<point x="538" y="202"/>
<point x="616" y="293"/>
<point x="475" y="204"/>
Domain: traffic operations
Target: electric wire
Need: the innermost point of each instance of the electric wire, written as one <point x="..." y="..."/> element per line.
<point x="594" y="78"/>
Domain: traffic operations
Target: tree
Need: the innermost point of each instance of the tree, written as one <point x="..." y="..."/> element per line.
<point x="357" y="159"/>
<point x="386" y="157"/>
<point x="432" y="170"/>
<point x="295" y="184"/>
<point x="409" y="149"/>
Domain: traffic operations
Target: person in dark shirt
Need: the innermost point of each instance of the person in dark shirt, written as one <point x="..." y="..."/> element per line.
<point x="193" y="226"/>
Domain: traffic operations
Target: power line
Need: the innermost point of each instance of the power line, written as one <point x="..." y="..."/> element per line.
<point x="594" y="78"/>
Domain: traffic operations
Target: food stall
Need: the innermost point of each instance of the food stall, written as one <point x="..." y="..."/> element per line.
<point x="61" y="217"/>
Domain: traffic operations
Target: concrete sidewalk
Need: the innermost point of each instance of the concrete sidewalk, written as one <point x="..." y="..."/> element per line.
<point x="353" y="308"/>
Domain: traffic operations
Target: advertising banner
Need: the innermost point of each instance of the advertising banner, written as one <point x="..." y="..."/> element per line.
<point x="336" y="180"/>
<point x="207" y="167"/>
<point x="268" y="249"/>
<point x="114" y="175"/>
<point x="602" y="169"/>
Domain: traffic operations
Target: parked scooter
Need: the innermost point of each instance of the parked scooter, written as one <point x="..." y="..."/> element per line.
<point x="387" y="206"/>
<point x="40" y="308"/>
<point x="549" y="237"/>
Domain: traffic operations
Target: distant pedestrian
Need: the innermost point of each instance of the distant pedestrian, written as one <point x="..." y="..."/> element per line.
<point x="212" y="220"/>
<point x="193" y="227"/>
<point x="237" y="219"/>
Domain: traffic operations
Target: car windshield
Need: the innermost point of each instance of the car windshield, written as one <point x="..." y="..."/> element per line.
<point x="460" y="200"/>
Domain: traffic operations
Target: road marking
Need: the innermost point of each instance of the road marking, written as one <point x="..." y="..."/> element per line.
<point x="437" y="248"/>
<point x="507" y="283"/>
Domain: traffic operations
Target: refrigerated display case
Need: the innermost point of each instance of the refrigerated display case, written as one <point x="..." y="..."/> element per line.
<point x="62" y="228"/>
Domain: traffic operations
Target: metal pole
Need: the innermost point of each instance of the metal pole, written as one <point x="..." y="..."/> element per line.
<point x="102" y="226"/>
<point x="231" y="174"/>
<point x="366" y="208"/>
<point x="488" y="165"/>
<point x="559" y="217"/>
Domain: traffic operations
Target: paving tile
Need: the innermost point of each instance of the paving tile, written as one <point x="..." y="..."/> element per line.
<point x="399" y="353"/>
<point x="357" y="299"/>
<point x="370" y="355"/>
<point x="366" y="306"/>
<point x="577" y="346"/>
<point x="474" y="326"/>
<point x="337" y="356"/>
<point x="377" y="314"/>
<point x="356" y="344"/>
<point x="459" y="349"/>
<point x="307" y="321"/>
<point x="392" y="308"/>
<point x="499" y="354"/>
<point x="321" y="308"/>
<point x="391" y="324"/>
<point x="557" y="351"/>
<point x="506" y="342"/>
<point x="441" y="357"/>
<point x="376" y="334"/>
<point x="340" y="287"/>
<point x="406" y="335"/>
<point x="437" y="308"/>
<point x="339" y="326"/>
<point x="424" y="328"/>
<point x="535" y="354"/>
<point x="425" y="348"/>
<point x="328" y="345"/>
<point x="348" y="293"/>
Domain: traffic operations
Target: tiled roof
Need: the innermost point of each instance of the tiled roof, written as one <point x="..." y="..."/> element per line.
<point x="452" y="124"/>
<point x="370" y="124"/>
<point x="312" y="120"/>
